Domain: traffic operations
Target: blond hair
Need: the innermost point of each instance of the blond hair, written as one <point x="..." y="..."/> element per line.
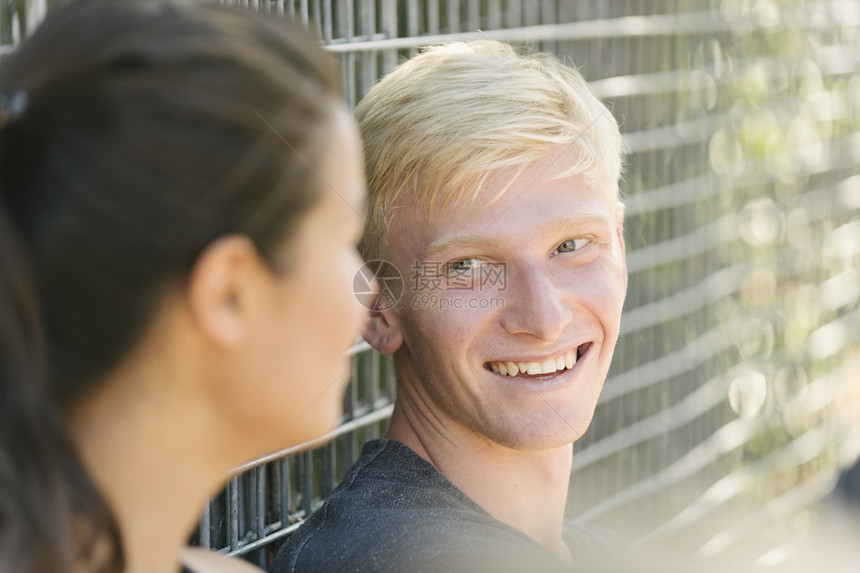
<point x="438" y="125"/>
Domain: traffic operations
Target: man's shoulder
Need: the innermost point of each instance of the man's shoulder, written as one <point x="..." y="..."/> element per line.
<point x="418" y="541"/>
<point x="389" y="475"/>
<point x="394" y="512"/>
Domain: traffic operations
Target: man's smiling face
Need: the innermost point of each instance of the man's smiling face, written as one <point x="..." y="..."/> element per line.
<point x="514" y="340"/>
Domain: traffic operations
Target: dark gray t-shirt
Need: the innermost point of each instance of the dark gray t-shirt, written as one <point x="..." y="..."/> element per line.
<point x="394" y="512"/>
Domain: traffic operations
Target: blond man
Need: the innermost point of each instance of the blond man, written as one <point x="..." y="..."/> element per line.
<point x="493" y="191"/>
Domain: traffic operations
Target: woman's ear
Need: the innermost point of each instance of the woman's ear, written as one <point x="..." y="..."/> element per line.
<point x="382" y="331"/>
<point x="220" y="291"/>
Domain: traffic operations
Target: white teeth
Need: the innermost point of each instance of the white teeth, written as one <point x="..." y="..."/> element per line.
<point x="566" y="361"/>
<point x="569" y="360"/>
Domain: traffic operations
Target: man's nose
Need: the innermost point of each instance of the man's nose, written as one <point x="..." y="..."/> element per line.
<point x="536" y="305"/>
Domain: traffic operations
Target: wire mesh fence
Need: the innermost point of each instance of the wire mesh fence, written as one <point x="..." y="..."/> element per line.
<point x="734" y="398"/>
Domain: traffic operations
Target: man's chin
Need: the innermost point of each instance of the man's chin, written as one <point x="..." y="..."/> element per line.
<point x="547" y="438"/>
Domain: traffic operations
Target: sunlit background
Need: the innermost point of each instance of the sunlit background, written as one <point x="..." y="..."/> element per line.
<point x="734" y="400"/>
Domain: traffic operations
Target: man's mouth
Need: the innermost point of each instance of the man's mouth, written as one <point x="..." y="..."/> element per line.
<point x="560" y="363"/>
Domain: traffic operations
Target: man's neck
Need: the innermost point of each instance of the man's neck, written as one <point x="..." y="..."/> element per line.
<point x="525" y="489"/>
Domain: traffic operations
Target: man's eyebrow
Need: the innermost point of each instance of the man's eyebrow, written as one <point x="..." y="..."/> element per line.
<point x="571" y="224"/>
<point x="471" y="240"/>
<point x="479" y="240"/>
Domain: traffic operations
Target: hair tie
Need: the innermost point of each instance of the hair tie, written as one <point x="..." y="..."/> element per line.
<point x="12" y="107"/>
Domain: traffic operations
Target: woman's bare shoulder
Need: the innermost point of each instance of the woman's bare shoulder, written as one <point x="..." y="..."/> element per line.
<point x="204" y="561"/>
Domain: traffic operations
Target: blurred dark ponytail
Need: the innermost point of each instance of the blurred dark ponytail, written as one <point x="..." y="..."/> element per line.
<point x="152" y="127"/>
<point x="51" y="516"/>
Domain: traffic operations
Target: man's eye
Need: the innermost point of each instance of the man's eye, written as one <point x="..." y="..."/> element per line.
<point x="463" y="264"/>
<point x="571" y="245"/>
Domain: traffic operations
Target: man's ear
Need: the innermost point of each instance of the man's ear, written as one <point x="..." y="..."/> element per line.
<point x="220" y="289"/>
<point x="382" y="331"/>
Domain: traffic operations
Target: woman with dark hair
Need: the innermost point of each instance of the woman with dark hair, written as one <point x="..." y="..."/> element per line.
<point x="180" y="192"/>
